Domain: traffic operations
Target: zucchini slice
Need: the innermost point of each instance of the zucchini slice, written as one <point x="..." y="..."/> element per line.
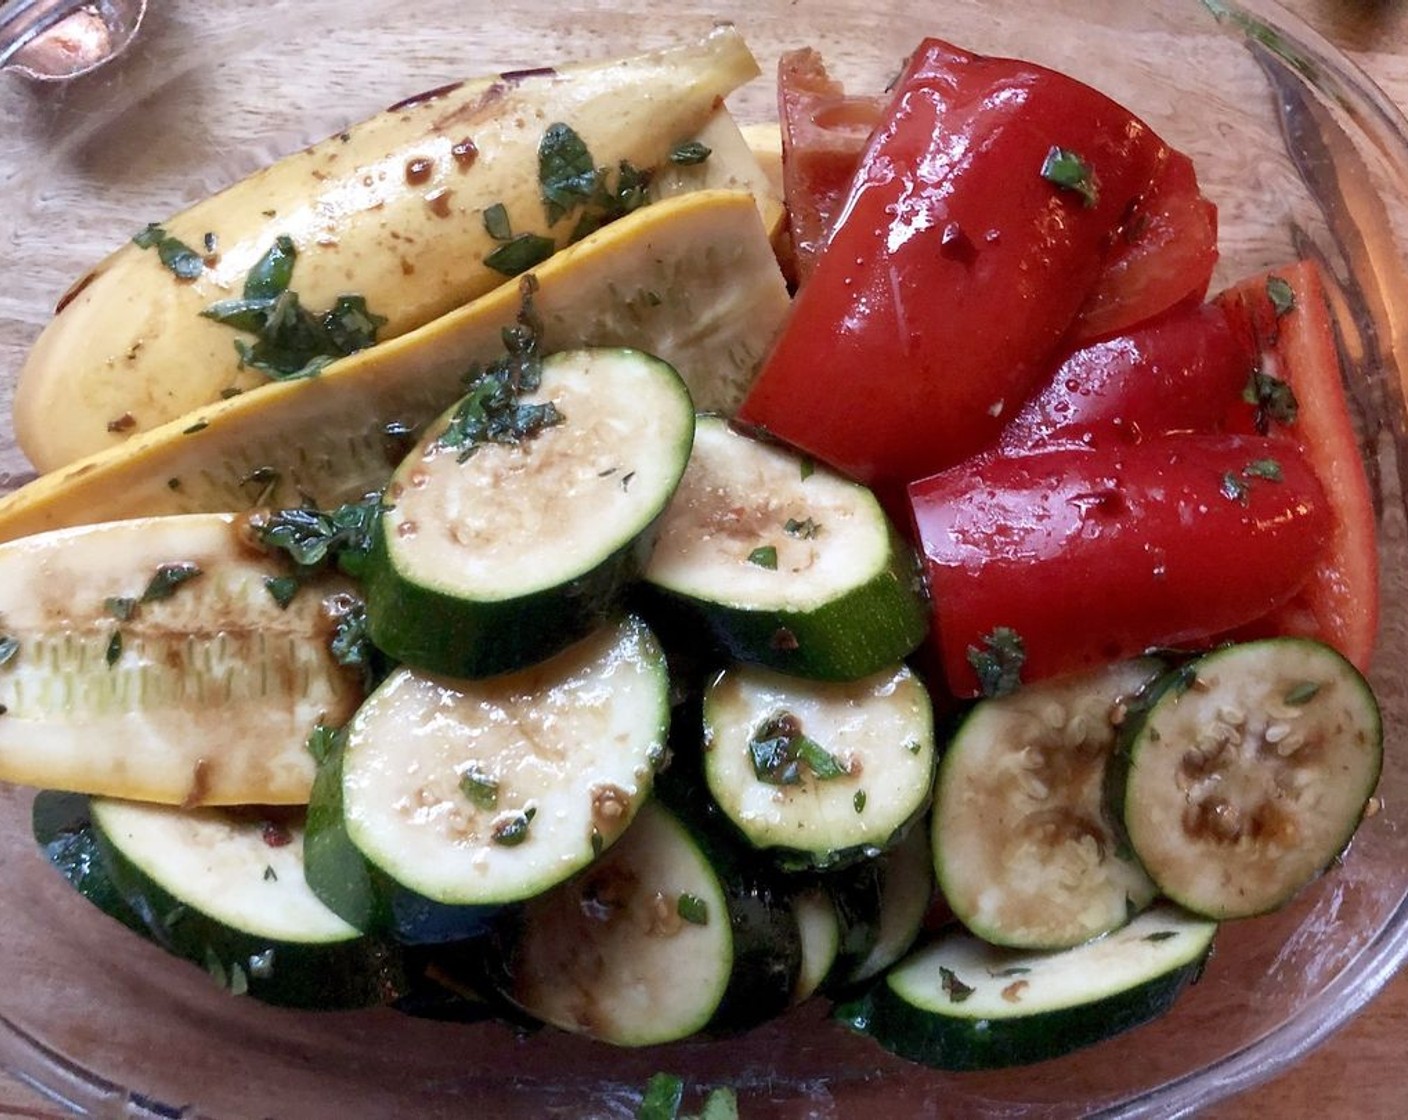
<point x="472" y="793"/>
<point x="500" y="550"/>
<point x="1249" y="772"/>
<point x="819" y="773"/>
<point x="906" y="875"/>
<point x="659" y="939"/>
<point x="783" y="564"/>
<point x="1026" y="852"/>
<point x="151" y="660"/>
<point x="962" y="1004"/>
<point x="819" y="927"/>
<point x="63" y="829"/>
<point x="224" y="888"/>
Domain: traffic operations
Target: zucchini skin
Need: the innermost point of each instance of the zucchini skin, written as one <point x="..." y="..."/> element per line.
<point x="820" y="644"/>
<point x="63" y="829"/>
<point x="964" y="1045"/>
<point x="363" y="972"/>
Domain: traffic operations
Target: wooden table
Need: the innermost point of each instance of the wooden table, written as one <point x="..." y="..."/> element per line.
<point x="1360" y="1073"/>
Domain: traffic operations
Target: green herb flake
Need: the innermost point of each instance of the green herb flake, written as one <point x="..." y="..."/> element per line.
<point x="808" y="468"/>
<point x="1274" y="400"/>
<point x="764" y="556"/>
<point x="598" y="842"/>
<point x="167" y="579"/>
<point x="313" y="537"/>
<point x="720" y="1104"/>
<point x="1066" y="169"/>
<point x="689" y="153"/>
<point x="664" y="1093"/>
<point x="805" y="530"/>
<point x="270" y="875"/>
<point x="914" y="746"/>
<point x="179" y="258"/>
<point x="567" y="175"/>
<point x="120" y="607"/>
<point x="282" y="589"/>
<point x="956" y="990"/>
<point x="527" y="250"/>
<point x="1161" y="935"/>
<point x="1234" y="488"/>
<point x="1281" y="295"/>
<point x="1302" y="694"/>
<point x="496" y="223"/>
<point x="1267" y="469"/>
<point x="480" y="788"/>
<point x="261" y="965"/>
<point x="513" y="829"/>
<point x="858" y="801"/>
<point x="350" y="644"/>
<point x="693" y="909"/>
<point x="781" y="753"/>
<point x="322" y="742"/>
<point x="113" y="654"/>
<point x="1007" y="973"/>
<point x="998" y="662"/>
<point x="198" y="426"/>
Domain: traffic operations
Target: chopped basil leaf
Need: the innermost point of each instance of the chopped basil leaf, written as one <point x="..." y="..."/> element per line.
<point x="322" y="741"/>
<point x="183" y="261"/>
<point x="350" y="644"/>
<point x="802" y="530"/>
<point x="1235" y="489"/>
<point x="808" y="468"/>
<point x="1274" y="399"/>
<point x="481" y="789"/>
<point x="312" y="537"/>
<point x="914" y="746"/>
<point x="1268" y="469"/>
<point x="664" y="1094"/>
<point x="1066" y="169"/>
<point x="496" y="223"/>
<point x="1281" y="295"/>
<point x="167" y="579"/>
<point x="567" y="175"/>
<point x="513" y="830"/>
<point x="114" y="650"/>
<point x="858" y="801"/>
<point x="273" y="272"/>
<point x="764" y="556"/>
<point x="956" y="990"/>
<point x="525" y="251"/>
<point x="1161" y="935"/>
<point x="779" y="752"/>
<point x="281" y="589"/>
<point x="270" y="875"/>
<point x="121" y="607"/>
<point x="690" y="152"/>
<point x="999" y="662"/>
<point x="1302" y="693"/>
<point x="693" y="909"/>
<point x="350" y="326"/>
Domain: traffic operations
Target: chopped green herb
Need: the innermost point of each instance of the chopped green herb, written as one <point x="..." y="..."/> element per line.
<point x="1302" y="693"/>
<point x="1281" y="295"/>
<point x="350" y="326"/>
<point x="570" y="181"/>
<point x="956" y="990"/>
<point x="598" y="843"/>
<point x="693" y="909"/>
<point x="481" y="789"/>
<point x="720" y="1104"/>
<point x="914" y="746"/>
<point x="664" y="1094"/>
<point x="858" y="801"/>
<point x="513" y="830"/>
<point x="1066" y="169"/>
<point x="1268" y="469"/>
<point x="261" y="965"/>
<point x="1161" y="935"/>
<point x="282" y="589"/>
<point x="1234" y="488"/>
<point x="1274" y="399"/>
<point x="1005" y="973"/>
<point x="314" y="537"/>
<point x="273" y="272"/>
<point x="690" y="152"/>
<point x="808" y="468"/>
<point x="198" y="426"/>
<point x="780" y="751"/>
<point x="183" y="261"/>
<point x="998" y="663"/>
<point x="121" y="607"/>
<point x="167" y="579"/>
<point x="114" y="650"/>
<point x="803" y="530"/>
<point x="323" y="741"/>
<point x="764" y="556"/>
<point x="496" y="223"/>
<point x="626" y="480"/>
<point x="525" y="251"/>
<point x="350" y="644"/>
<point x="270" y="875"/>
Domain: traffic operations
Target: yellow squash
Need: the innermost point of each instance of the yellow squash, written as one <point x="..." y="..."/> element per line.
<point x="691" y="279"/>
<point x="392" y="210"/>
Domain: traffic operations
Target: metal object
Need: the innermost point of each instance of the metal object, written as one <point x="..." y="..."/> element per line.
<point x="54" y="40"/>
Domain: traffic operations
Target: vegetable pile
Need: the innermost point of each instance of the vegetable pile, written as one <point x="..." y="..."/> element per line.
<point x="452" y="648"/>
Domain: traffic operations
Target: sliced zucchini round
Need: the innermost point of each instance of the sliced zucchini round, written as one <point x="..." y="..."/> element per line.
<point x="1026" y="852"/>
<point x="479" y="792"/>
<point x="656" y="941"/>
<point x="962" y="1004"/>
<point x="784" y="564"/>
<point x="906" y="874"/>
<point x="819" y="927"/>
<point x="1249" y="772"/>
<point x="499" y="550"/>
<point x="820" y="773"/>
<point x="224" y="888"/>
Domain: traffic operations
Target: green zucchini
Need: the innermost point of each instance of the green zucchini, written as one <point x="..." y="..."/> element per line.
<point x="783" y="564"/>
<point x="962" y="1004"/>
<point x="473" y="793"/>
<point x="819" y="927"/>
<point x="63" y="829"/>
<point x="665" y="936"/>
<point x="1026" y="851"/>
<point x="515" y="525"/>
<point x="819" y="773"/>
<point x="224" y="888"/>
<point x="1248" y="772"/>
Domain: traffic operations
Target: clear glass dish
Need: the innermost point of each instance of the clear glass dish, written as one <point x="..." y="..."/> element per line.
<point x="1303" y="156"/>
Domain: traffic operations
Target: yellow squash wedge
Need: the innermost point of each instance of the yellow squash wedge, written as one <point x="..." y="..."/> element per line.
<point x="392" y="210"/>
<point x="691" y="280"/>
<point x="149" y="660"/>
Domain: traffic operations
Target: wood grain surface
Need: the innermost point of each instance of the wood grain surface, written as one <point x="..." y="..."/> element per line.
<point x="1361" y="1071"/>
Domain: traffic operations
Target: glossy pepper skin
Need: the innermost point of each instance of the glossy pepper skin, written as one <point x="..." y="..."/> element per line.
<point x="1091" y="556"/>
<point x="955" y="268"/>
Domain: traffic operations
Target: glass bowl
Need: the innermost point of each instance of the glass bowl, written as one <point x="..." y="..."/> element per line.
<point x="1303" y="157"/>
